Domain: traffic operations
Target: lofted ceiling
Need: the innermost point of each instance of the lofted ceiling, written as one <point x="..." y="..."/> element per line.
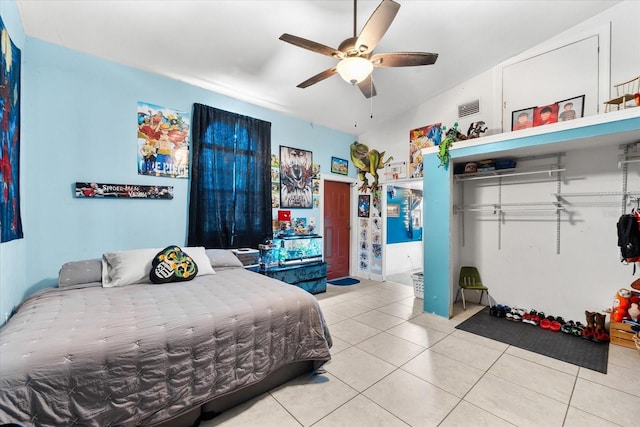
<point x="232" y="47"/>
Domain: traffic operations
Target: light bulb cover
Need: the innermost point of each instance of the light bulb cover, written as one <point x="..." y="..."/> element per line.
<point x="354" y="69"/>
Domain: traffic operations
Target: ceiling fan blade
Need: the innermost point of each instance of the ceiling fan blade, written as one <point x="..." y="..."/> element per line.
<point x="367" y="87"/>
<point x="311" y="45"/>
<point x="378" y="24"/>
<point x="403" y="59"/>
<point x="318" y="77"/>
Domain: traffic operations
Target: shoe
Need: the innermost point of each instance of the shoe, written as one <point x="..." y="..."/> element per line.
<point x="555" y="326"/>
<point x="568" y="327"/>
<point x="545" y="323"/>
<point x="577" y="329"/>
<point x="493" y="311"/>
<point x="535" y="318"/>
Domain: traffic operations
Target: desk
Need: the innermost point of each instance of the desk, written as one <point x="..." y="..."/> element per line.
<point x="311" y="277"/>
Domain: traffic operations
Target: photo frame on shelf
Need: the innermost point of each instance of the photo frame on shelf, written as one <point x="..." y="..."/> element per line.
<point x="571" y="108"/>
<point x="339" y="166"/>
<point x="522" y="119"/>
<point x="545" y="115"/>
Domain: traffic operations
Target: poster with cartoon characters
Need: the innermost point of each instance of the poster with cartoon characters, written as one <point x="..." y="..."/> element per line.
<point x="163" y="141"/>
<point x="419" y="138"/>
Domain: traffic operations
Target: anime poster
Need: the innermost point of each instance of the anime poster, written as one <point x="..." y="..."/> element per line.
<point x="364" y="202"/>
<point x="275" y="182"/>
<point x="10" y="221"/>
<point x="363" y="245"/>
<point x="163" y="141"/>
<point x="296" y="172"/>
<point x="427" y="136"/>
<point x="375" y="265"/>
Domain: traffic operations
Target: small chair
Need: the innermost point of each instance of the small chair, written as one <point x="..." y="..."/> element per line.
<point x="625" y="92"/>
<point x="470" y="280"/>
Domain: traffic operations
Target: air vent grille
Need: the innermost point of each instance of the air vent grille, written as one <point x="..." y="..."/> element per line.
<point x="469" y="108"/>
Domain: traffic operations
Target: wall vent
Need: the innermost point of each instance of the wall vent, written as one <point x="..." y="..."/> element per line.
<point x="469" y="108"/>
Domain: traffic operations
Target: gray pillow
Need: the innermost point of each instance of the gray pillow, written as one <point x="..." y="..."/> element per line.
<point x="221" y="258"/>
<point x="80" y="272"/>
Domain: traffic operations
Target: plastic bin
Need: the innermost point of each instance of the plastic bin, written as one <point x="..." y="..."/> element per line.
<point x="418" y="285"/>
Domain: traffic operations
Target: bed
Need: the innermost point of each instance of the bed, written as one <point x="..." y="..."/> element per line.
<point x="154" y="354"/>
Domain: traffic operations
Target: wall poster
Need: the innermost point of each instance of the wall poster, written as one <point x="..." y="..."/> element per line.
<point x="163" y="141"/>
<point x="296" y="173"/>
<point x="10" y="220"/>
<point x="427" y="136"/>
<point x="123" y="191"/>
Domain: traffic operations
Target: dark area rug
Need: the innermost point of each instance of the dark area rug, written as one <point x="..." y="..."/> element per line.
<point x="568" y="348"/>
<point x="346" y="281"/>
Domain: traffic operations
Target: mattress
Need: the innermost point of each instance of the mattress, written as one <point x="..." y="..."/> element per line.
<point x="140" y="354"/>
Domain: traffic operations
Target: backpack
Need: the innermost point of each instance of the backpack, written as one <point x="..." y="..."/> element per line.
<point x="629" y="238"/>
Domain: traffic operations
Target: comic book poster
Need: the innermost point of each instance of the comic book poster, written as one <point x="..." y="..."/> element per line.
<point x="427" y="136"/>
<point x="296" y="172"/>
<point x="10" y="221"/>
<point x="163" y="141"/>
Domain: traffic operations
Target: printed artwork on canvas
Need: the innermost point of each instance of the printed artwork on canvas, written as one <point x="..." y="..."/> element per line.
<point x="10" y="221"/>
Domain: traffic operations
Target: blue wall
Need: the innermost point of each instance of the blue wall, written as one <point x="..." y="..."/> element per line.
<point x="79" y="124"/>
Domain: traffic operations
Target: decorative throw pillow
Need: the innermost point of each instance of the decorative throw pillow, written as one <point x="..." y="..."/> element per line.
<point x="172" y="264"/>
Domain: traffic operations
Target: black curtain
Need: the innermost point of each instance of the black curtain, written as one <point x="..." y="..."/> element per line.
<point x="230" y="202"/>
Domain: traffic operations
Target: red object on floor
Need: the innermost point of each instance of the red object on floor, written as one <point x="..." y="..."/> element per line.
<point x="555" y="326"/>
<point x="545" y="323"/>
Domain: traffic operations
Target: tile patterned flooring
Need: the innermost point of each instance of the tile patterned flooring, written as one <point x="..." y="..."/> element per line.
<point x="393" y="365"/>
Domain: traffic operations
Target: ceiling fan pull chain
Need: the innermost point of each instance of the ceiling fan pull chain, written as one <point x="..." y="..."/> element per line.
<point x="355" y="105"/>
<point x="371" y="97"/>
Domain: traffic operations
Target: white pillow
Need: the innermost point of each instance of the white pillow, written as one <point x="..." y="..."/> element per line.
<point x="198" y="254"/>
<point x="124" y="268"/>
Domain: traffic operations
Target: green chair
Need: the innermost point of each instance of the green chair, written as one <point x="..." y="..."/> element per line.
<point x="470" y="280"/>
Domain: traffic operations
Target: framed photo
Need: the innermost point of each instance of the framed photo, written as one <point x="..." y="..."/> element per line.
<point x="339" y="166"/>
<point x="522" y="119"/>
<point x="364" y="205"/>
<point x="570" y="109"/>
<point x="393" y="210"/>
<point x="296" y="172"/>
<point x="545" y="115"/>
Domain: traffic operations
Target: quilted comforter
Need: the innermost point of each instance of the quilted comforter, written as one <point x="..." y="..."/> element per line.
<point x="140" y="354"/>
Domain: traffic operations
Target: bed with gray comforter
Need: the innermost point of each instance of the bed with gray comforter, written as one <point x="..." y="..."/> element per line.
<point x="144" y="354"/>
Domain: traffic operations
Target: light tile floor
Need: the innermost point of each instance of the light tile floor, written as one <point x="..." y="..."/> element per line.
<point x="393" y="365"/>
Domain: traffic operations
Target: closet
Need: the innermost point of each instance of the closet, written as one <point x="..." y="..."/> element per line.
<point x="544" y="233"/>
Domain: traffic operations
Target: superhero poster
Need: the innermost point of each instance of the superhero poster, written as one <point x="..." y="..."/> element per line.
<point x="296" y="173"/>
<point x="163" y="141"/>
<point x="10" y="222"/>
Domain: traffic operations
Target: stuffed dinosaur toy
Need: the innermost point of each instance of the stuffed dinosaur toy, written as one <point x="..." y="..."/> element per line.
<point x="367" y="161"/>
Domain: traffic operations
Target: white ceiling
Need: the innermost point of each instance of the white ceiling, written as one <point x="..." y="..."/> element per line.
<point x="232" y="47"/>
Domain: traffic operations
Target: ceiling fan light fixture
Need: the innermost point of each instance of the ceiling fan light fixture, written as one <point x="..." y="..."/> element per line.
<point x="354" y="69"/>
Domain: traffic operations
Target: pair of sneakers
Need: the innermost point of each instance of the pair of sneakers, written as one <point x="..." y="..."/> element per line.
<point x="533" y="317"/>
<point x="499" y="311"/>
<point x="515" y="314"/>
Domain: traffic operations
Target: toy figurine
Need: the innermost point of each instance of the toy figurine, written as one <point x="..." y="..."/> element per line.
<point x="475" y="129"/>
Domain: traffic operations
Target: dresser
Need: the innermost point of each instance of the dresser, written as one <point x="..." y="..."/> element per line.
<point x="312" y="277"/>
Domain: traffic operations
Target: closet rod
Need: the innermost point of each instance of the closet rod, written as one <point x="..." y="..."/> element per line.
<point x="495" y="175"/>
<point x="596" y="194"/>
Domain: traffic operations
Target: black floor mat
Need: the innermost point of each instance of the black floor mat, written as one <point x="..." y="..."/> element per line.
<point x="568" y="348"/>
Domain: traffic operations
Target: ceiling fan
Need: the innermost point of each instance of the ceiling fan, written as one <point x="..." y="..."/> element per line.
<point x="356" y="56"/>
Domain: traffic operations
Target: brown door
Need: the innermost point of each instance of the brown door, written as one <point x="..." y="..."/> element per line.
<point x="337" y="228"/>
